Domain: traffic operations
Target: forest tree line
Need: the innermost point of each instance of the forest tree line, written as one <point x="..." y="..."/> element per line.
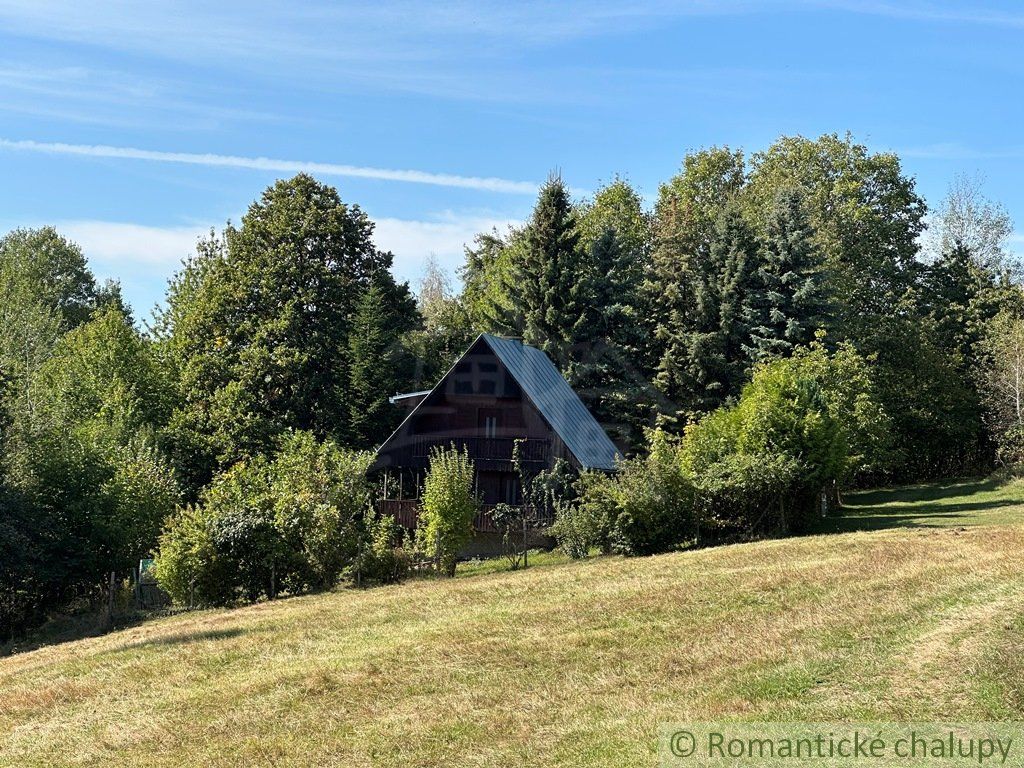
<point x="281" y="338"/>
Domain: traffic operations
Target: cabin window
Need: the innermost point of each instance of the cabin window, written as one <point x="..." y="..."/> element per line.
<point x="487" y="421"/>
<point x="511" y="490"/>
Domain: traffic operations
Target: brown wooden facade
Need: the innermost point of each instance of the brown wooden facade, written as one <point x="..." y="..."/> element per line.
<point x="487" y="404"/>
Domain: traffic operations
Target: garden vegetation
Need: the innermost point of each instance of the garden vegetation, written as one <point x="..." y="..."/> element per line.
<point x="778" y="327"/>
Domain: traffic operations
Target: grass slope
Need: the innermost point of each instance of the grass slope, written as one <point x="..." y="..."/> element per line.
<point x="564" y="664"/>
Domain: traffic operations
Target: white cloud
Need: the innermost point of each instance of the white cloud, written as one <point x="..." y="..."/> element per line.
<point x="955" y="151"/>
<point x="413" y="241"/>
<point x="111" y="246"/>
<point x="485" y="184"/>
<point x="144" y="257"/>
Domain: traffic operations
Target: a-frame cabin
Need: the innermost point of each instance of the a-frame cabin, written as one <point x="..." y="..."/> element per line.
<point x="498" y="392"/>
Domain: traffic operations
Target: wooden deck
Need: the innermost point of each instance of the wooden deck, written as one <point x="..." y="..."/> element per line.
<point x="406" y="513"/>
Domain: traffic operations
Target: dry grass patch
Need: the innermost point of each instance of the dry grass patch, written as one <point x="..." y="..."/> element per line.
<point x="572" y="664"/>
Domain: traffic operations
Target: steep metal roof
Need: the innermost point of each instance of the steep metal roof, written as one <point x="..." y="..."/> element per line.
<point x="557" y="402"/>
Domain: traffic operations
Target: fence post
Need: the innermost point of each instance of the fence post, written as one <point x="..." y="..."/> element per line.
<point x="526" y="555"/>
<point x="109" y="618"/>
<point x="437" y="552"/>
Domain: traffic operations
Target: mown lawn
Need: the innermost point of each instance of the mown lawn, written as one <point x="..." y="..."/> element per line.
<point x="914" y="610"/>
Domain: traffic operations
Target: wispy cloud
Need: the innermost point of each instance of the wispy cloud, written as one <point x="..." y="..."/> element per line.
<point x="912" y="10"/>
<point x="957" y="151"/>
<point x="142" y="257"/>
<point x="443" y="236"/>
<point x="115" y="98"/>
<point x="484" y="184"/>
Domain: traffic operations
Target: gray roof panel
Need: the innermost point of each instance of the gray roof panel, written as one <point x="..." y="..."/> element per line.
<point x="556" y="401"/>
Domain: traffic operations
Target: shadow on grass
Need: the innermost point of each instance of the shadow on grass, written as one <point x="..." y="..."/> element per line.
<point x="914" y="506"/>
<point x="183" y="638"/>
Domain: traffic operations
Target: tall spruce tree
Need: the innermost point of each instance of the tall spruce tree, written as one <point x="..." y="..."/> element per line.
<point x="688" y="207"/>
<point x="379" y="363"/>
<point x="546" y="270"/>
<point x="709" y="362"/>
<point x="791" y="304"/>
<point x="602" y="369"/>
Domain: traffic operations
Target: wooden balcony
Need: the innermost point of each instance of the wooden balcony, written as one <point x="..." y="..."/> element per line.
<point x="486" y="449"/>
<point x="406" y="512"/>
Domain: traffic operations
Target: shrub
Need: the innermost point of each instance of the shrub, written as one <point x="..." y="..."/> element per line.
<point x="512" y="522"/>
<point x="851" y="398"/>
<point x="320" y="494"/>
<point x="583" y="523"/>
<point x="761" y="465"/>
<point x="188" y="567"/>
<point x="384" y="558"/>
<point x="448" y="507"/>
<point x="744" y="494"/>
<point x="652" y="501"/>
<point x="290" y="523"/>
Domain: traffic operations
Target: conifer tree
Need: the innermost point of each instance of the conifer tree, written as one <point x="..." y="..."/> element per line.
<point x="791" y="303"/>
<point x="602" y="368"/>
<point x="709" y="360"/>
<point x="546" y="270"/>
<point x="685" y="215"/>
<point x="379" y="363"/>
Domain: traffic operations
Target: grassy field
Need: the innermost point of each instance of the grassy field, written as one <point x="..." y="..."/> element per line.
<point x="912" y="606"/>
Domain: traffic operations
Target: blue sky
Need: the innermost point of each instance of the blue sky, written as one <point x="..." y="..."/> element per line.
<point x="134" y="126"/>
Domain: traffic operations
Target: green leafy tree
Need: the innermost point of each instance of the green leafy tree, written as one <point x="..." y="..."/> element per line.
<point x="932" y="401"/>
<point x="448" y="507"/>
<point x="866" y="216"/>
<point x="52" y="271"/>
<point x="105" y="371"/>
<point x="488" y="278"/>
<point x="1001" y="381"/>
<point x="84" y="459"/>
<point x="258" y="326"/>
<point x="960" y="297"/>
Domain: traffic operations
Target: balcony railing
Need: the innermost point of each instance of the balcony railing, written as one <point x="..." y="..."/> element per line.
<point x="406" y="512"/>
<point x="486" y="448"/>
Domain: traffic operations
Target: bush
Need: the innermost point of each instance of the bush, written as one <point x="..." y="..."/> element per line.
<point x="188" y="567"/>
<point x="652" y="501"/>
<point x="744" y="494"/>
<point x="761" y="465"/>
<point x="384" y="559"/>
<point x="448" y="507"/>
<point x="291" y="523"/>
<point x="584" y="523"/>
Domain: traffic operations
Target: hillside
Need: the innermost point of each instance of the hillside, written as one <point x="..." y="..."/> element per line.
<point x="919" y="616"/>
